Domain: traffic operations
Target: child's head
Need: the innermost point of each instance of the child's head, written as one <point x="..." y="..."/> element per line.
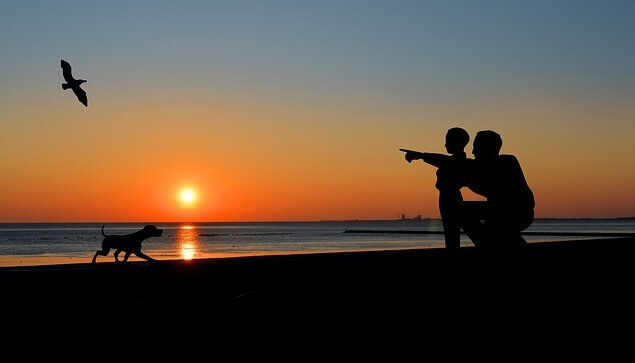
<point x="456" y="139"/>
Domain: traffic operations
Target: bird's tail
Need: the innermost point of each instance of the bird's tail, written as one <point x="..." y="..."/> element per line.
<point x="66" y="86"/>
<point x="102" y="231"/>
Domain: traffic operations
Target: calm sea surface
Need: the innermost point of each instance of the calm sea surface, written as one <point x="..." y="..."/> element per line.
<point x="52" y="243"/>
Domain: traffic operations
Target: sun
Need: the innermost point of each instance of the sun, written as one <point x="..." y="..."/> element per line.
<point x="187" y="196"/>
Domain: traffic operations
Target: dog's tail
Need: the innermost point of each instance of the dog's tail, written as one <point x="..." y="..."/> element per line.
<point x="102" y="231"/>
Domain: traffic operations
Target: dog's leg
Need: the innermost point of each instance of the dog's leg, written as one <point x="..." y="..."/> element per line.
<point x="117" y="255"/>
<point x="125" y="257"/>
<point x="100" y="253"/>
<point x="144" y="256"/>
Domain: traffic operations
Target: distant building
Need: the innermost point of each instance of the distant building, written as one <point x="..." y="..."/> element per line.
<point x="417" y="218"/>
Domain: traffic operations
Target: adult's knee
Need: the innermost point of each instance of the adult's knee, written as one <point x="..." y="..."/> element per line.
<point x="526" y="219"/>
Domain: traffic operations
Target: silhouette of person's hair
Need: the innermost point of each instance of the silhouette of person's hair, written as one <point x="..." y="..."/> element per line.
<point x="487" y="144"/>
<point x="456" y="139"/>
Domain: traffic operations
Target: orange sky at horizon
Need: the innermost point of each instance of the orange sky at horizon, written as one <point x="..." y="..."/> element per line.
<point x="300" y="162"/>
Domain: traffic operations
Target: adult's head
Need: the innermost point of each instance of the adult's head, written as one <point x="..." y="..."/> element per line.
<point x="487" y="145"/>
<point x="456" y="139"/>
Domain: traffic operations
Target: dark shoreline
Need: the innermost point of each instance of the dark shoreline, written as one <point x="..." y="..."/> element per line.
<point x="293" y="299"/>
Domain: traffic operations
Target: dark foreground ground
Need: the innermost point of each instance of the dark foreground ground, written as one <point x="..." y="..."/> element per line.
<point x="569" y="296"/>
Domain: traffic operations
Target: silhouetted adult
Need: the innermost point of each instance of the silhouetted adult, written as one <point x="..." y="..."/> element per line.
<point x="496" y="224"/>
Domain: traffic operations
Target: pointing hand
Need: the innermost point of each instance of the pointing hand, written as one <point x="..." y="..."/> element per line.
<point x="409" y="156"/>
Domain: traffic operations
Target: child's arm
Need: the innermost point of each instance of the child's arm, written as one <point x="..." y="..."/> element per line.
<point x="433" y="159"/>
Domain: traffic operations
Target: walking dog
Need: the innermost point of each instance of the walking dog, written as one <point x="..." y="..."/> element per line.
<point x="129" y="243"/>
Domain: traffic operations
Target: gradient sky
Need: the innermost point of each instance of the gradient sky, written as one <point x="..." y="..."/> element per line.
<point x="294" y="110"/>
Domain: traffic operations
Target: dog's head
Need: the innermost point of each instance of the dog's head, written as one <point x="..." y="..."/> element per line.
<point x="152" y="231"/>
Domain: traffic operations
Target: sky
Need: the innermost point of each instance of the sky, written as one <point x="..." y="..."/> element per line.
<point x="295" y="110"/>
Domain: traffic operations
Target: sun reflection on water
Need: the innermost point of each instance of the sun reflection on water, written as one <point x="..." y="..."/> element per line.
<point x="187" y="242"/>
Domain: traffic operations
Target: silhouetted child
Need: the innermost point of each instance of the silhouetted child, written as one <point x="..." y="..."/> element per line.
<point x="450" y="179"/>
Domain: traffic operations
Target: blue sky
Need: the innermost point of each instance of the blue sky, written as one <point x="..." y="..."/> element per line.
<point x="403" y="45"/>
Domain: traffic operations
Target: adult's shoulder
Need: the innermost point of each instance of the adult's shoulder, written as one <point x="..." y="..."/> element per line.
<point x="510" y="163"/>
<point x="508" y="160"/>
<point x="508" y="157"/>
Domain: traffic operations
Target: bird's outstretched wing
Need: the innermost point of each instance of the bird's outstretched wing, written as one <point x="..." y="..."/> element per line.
<point x="66" y="71"/>
<point x="81" y="95"/>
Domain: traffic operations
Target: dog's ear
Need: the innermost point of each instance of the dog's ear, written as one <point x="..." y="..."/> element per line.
<point x="149" y="226"/>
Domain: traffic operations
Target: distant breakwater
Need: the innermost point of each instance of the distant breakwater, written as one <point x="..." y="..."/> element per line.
<point x="555" y="234"/>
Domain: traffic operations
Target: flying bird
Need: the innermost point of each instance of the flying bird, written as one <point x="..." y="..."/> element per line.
<point x="73" y="83"/>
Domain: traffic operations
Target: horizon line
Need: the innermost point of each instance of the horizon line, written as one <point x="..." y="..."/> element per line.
<point x="306" y="221"/>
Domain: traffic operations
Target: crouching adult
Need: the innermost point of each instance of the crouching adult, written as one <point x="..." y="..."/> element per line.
<point x="496" y="224"/>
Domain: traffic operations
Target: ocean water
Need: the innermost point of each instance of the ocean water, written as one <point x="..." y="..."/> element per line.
<point x="53" y="243"/>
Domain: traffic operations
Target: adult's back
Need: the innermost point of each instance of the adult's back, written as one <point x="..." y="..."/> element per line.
<point x="502" y="181"/>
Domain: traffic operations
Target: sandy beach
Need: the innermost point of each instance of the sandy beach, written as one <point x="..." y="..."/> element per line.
<point x="313" y="301"/>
